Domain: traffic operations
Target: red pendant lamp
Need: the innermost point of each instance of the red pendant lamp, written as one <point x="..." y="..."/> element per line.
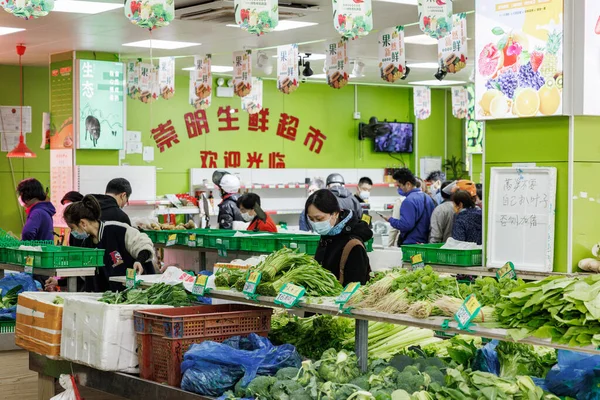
<point x="21" y="150"/>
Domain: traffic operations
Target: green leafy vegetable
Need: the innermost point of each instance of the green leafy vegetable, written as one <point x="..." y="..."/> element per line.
<point x="338" y="367"/>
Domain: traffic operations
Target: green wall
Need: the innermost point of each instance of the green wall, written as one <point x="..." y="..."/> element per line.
<point x="543" y="141"/>
<point x="455" y="131"/>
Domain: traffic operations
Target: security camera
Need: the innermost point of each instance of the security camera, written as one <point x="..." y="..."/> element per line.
<point x="303" y="79"/>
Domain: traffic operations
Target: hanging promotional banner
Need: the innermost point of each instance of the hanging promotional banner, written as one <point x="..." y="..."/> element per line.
<point x="257" y="16"/>
<point x="336" y="61"/>
<point x="201" y="83"/>
<point x="28" y="9"/>
<point x="133" y="79"/>
<point x="391" y="53"/>
<point x="252" y="103"/>
<point x="287" y="68"/>
<point x="452" y="48"/>
<point x="422" y="101"/>
<point x="519" y="54"/>
<point x="148" y="83"/>
<point x="242" y="73"/>
<point x="150" y="14"/>
<point x="460" y="102"/>
<point x="166" y="77"/>
<point x="352" y="18"/>
<point x="435" y="17"/>
<point x="473" y="128"/>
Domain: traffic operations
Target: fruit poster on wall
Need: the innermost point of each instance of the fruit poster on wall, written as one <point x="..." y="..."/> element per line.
<point x="422" y="101"/>
<point x="460" y="102"/>
<point x="61" y="105"/>
<point x="201" y="83"/>
<point x="435" y="17"/>
<point x="519" y="71"/>
<point x="252" y="103"/>
<point x="336" y="62"/>
<point x="391" y="53"/>
<point x="242" y="73"/>
<point x="352" y="18"/>
<point x="257" y="16"/>
<point x="452" y="48"/>
<point x="287" y="68"/>
<point x="591" y="79"/>
<point x="166" y="77"/>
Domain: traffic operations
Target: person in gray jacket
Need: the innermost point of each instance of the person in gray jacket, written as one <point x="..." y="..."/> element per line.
<point x="335" y="183"/>
<point x="442" y="218"/>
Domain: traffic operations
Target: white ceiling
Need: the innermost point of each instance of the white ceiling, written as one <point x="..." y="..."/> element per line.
<point x="106" y="32"/>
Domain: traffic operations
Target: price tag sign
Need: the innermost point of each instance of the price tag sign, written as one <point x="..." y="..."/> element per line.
<point x="172" y="240"/>
<point x="28" y="270"/>
<point x="289" y="295"/>
<point x="130" y="276"/>
<point x="416" y="262"/>
<point x="251" y="284"/>
<point x="467" y="312"/>
<point x="507" y="271"/>
<point x="199" y="287"/>
<point x="192" y="240"/>
<point x="349" y="290"/>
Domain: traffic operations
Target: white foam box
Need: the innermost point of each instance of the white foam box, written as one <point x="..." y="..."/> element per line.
<point x="100" y="335"/>
<point x="39" y="321"/>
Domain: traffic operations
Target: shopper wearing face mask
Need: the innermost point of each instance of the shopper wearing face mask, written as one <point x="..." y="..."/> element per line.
<point x="343" y="236"/>
<point x="469" y="218"/>
<point x="415" y="211"/>
<point x="117" y="196"/>
<point x="363" y="190"/>
<point x="124" y="247"/>
<point x="39" y="224"/>
<point x="249" y="205"/>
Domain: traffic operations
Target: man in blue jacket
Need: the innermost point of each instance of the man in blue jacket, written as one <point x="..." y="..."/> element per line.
<point x="415" y="211"/>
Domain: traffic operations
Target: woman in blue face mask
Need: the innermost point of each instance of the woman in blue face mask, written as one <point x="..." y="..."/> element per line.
<point x="343" y="236"/>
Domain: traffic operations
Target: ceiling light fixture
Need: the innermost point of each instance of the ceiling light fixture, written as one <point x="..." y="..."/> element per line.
<point x="264" y="63"/>
<point x="307" y="71"/>
<point x="436" y="83"/>
<point x="8" y="31"/>
<point x="21" y="150"/>
<point x="84" y="7"/>
<point x="359" y="68"/>
<point x="161" y="44"/>
<point x="214" y="68"/>
<point x="440" y="74"/>
<point x="285" y="25"/>
<point x="406" y="72"/>
<point x="424" y="40"/>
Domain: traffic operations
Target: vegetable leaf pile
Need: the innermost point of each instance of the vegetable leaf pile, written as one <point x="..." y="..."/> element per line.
<point x="159" y="294"/>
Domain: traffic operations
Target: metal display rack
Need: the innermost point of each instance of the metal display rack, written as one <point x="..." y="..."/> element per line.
<point x="70" y="273"/>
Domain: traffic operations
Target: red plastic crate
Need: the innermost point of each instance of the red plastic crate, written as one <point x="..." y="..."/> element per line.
<point x="164" y="335"/>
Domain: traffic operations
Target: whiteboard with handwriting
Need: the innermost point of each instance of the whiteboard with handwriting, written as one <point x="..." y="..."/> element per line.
<point x="521" y="218"/>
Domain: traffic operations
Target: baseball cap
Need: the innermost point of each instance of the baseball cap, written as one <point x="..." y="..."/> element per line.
<point x="230" y="183"/>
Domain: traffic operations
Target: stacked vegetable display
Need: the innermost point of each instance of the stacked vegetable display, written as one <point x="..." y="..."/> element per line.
<point x="158" y="294"/>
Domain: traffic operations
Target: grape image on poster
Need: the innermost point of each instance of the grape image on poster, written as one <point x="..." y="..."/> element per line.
<point x="591" y="79"/>
<point x="519" y="59"/>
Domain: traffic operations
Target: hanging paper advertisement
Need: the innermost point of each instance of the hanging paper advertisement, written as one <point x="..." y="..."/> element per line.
<point x="422" y="101"/>
<point x="591" y="61"/>
<point x="435" y="17"/>
<point x="133" y="79"/>
<point x="473" y="128"/>
<point x="150" y="14"/>
<point x="257" y="16"/>
<point x="519" y="54"/>
<point x="287" y="68"/>
<point x="148" y="83"/>
<point x="460" y="102"/>
<point x="242" y="73"/>
<point x="166" y="77"/>
<point x="352" y="18"/>
<point x="452" y="48"/>
<point x="61" y="105"/>
<point x="253" y="102"/>
<point x="392" y="58"/>
<point x="336" y="61"/>
<point x="28" y="9"/>
<point x="201" y="83"/>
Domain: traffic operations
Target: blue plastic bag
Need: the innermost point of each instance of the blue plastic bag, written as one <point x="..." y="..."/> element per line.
<point x="486" y="359"/>
<point x="10" y="281"/>
<point x="211" y="368"/>
<point x="576" y="375"/>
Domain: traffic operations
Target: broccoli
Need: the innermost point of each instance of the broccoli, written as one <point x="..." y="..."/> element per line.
<point x="401" y="361"/>
<point x="412" y="369"/>
<point x="300" y="394"/>
<point x="339" y="367"/>
<point x="382" y="394"/>
<point x="238" y="389"/>
<point x="362" y="382"/>
<point x="260" y="387"/>
<point x="386" y="379"/>
<point x="432" y="362"/>
<point x="436" y="375"/>
<point x="376" y="366"/>
<point x="282" y="390"/>
<point x="287" y="373"/>
<point x="411" y="380"/>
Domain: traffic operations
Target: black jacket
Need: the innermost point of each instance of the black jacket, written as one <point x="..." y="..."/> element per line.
<point x="347" y="200"/>
<point x="123" y="246"/>
<point x="111" y="210"/>
<point x="229" y="212"/>
<point x="329" y="252"/>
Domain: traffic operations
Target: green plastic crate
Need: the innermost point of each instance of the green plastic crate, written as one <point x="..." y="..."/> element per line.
<point x="57" y="257"/>
<point x="152" y="235"/>
<point x="8" y="326"/>
<point x="304" y="243"/>
<point x="185" y="238"/>
<point x="261" y="243"/>
<point x="434" y="254"/>
<point x="221" y="238"/>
